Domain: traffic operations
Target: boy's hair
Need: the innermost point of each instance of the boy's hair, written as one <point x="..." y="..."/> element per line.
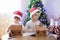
<point x="38" y="12"/>
<point x="17" y="17"/>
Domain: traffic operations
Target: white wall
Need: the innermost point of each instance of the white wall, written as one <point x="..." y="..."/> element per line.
<point x="24" y="8"/>
<point x="52" y="8"/>
<point x="7" y="7"/>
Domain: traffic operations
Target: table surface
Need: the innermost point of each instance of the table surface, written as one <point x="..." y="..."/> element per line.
<point x="5" y="37"/>
<point x="30" y="38"/>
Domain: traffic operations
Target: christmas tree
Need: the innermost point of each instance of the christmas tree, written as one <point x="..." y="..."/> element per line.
<point x="43" y="16"/>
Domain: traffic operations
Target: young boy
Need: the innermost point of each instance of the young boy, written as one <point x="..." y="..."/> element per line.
<point x="17" y="19"/>
<point x="30" y="26"/>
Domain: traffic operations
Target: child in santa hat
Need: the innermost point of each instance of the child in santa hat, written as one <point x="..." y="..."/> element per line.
<point x="30" y="26"/>
<point x="17" y="17"/>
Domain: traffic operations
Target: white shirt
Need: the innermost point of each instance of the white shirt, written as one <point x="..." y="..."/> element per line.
<point x="30" y="25"/>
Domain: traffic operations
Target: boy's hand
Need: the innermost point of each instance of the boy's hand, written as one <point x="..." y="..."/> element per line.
<point x="29" y="30"/>
<point x="40" y="25"/>
<point x="36" y="28"/>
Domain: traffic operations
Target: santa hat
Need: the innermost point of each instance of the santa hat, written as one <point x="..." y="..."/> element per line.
<point x="18" y="14"/>
<point x="33" y="11"/>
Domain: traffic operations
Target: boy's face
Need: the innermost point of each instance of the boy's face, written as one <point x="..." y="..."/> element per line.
<point x="16" y="20"/>
<point x="36" y="16"/>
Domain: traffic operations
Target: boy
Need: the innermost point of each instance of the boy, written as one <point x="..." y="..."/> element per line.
<point x="17" y="21"/>
<point x="30" y="26"/>
<point x="17" y="17"/>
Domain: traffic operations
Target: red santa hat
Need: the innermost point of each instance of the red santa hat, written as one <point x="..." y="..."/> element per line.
<point x="33" y="11"/>
<point x="18" y="14"/>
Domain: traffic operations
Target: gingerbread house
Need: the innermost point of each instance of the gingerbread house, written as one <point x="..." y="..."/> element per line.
<point x="15" y="30"/>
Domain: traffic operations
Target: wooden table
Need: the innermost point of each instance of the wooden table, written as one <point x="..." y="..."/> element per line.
<point x="19" y="37"/>
<point x="31" y="38"/>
